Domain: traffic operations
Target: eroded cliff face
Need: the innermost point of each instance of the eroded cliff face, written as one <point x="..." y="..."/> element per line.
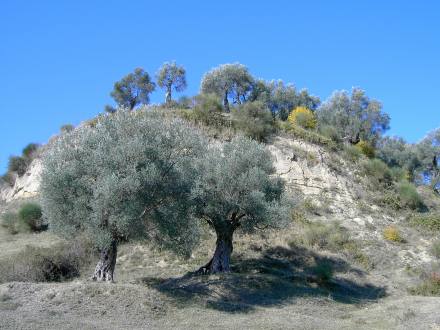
<point x="25" y="186"/>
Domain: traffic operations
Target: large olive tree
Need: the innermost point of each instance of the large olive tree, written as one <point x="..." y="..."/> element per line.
<point x="132" y="90"/>
<point x="237" y="189"/>
<point x="171" y="76"/>
<point x="354" y="116"/>
<point x="129" y="177"/>
<point x="228" y="81"/>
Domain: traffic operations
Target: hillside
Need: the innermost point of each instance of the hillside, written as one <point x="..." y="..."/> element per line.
<point x="331" y="268"/>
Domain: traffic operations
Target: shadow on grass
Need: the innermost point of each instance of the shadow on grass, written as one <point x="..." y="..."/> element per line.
<point x="277" y="277"/>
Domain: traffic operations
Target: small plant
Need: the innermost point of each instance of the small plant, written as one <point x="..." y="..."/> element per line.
<point x="409" y="196"/>
<point x="61" y="262"/>
<point x="9" y="221"/>
<point x="208" y="110"/>
<point x="303" y="117"/>
<point x="429" y="287"/>
<point x="378" y="171"/>
<point x="30" y="150"/>
<point x="254" y="120"/>
<point x="435" y="249"/>
<point x="352" y="152"/>
<point x="17" y="164"/>
<point x="392" y="233"/>
<point x="429" y="221"/>
<point x="324" y="272"/>
<point x="366" y="148"/>
<point x="30" y="216"/>
<point x="67" y="128"/>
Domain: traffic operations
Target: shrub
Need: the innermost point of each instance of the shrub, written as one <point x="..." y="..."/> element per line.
<point x="67" y="128"/>
<point x="30" y="150"/>
<point x="17" y="164"/>
<point x="352" y="153"/>
<point x="303" y="117"/>
<point x="8" y="178"/>
<point x="208" y="110"/>
<point x="324" y="272"/>
<point x="9" y="221"/>
<point x="61" y="262"/>
<point x="409" y="196"/>
<point x="378" y="171"/>
<point x="429" y="221"/>
<point x="325" y="236"/>
<point x="366" y="148"/>
<point x="254" y="120"/>
<point x="392" y="233"/>
<point x="435" y="249"/>
<point x="429" y="287"/>
<point x="307" y="135"/>
<point x="30" y="216"/>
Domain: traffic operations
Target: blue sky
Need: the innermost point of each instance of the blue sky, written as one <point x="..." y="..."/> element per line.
<point x="59" y="59"/>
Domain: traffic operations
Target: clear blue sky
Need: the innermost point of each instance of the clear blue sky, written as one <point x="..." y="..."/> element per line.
<point x="59" y="59"/>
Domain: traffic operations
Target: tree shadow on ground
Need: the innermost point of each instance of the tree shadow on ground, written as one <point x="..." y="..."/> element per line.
<point x="275" y="278"/>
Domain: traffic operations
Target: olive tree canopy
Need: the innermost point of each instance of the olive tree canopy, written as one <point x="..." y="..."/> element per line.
<point x="132" y="90"/>
<point x="228" y="81"/>
<point x="354" y="116"/>
<point x="171" y="76"/>
<point x="129" y="177"/>
<point x="237" y="189"/>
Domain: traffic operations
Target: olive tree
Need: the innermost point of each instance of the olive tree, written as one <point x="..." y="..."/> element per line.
<point x="282" y="98"/>
<point x="129" y="177"/>
<point x="354" y="116"/>
<point x="237" y="189"/>
<point x="171" y="76"/>
<point x="428" y="151"/>
<point x="228" y="81"/>
<point x="132" y="90"/>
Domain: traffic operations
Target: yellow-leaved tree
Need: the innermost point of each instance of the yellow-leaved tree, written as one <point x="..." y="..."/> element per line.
<point x="303" y="117"/>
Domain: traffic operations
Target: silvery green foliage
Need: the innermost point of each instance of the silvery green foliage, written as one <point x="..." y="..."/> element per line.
<point x="171" y="76"/>
<point x="238" y="187"/>
<point x="355" y="116"/>
<point x="282" y="98"/>
<point x="228" y="81"/>
<point x="428" y="151"/>
<point x="132" y="90"/>
<point x="130" y="177"/>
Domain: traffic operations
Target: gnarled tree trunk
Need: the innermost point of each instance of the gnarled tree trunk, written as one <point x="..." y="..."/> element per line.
<point x="226" y="102"/>
<point x="106" y="265"/>
<point x="220" y="262"/>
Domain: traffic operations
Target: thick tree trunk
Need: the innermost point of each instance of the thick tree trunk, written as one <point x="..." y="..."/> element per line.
<point x="168" y="95"/>
<point x="106" y="265"/>
<point x="220" y="262"/>
<point x="226" y="102"/>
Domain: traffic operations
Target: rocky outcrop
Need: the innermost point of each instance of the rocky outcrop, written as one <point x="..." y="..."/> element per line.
<point x="25" y="186"/>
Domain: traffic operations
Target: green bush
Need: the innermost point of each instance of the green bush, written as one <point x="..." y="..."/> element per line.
<point x="67" y="128"/>
<point x="307" y="135"/>
<point x="208" y="110"/>
<point x="61" y="262"/>
<point x="30" y="216"/>
<point x="366" y="148"/>
<point x="30" y="150"/>
<point x="324" y="272"/>
<point x="352" y="153"/>
<point x="429" y="287"/>
<point x="429" y="221"/>
<point x="17" y="164"/>
<point x="435" y="249"/>
<point x="254" y="120"/>
<point x="8" y="178"/>
<point x="409" y="196"/>
<point x="9" y="221"/>
<point x="378" y="171"/>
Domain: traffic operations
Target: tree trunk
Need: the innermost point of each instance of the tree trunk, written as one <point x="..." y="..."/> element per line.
<point x="168" y="95"/>
<point x="226" y="102"/>
<point x="106" y="265"/>
<point x="220" y="262"/>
